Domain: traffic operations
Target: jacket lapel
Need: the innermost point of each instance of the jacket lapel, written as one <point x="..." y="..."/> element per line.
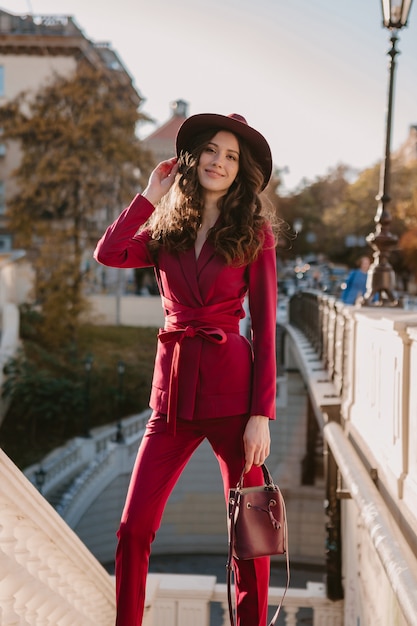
<point x="201" y="274"/>
<point x="188" y="264"/>
<point x="209" y="266"/>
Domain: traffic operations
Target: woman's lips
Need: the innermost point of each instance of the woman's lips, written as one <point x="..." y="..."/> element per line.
<point x="214" y="174"/>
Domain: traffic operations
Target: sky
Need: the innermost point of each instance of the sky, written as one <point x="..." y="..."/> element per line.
<point x="311" y="76"/>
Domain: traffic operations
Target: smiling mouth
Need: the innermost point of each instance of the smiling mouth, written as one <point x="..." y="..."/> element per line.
<point x="214" y="173"/>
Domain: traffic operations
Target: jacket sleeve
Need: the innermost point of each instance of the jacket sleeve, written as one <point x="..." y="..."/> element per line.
<point x="263" y="310"/>
<point x="120" y="245"/>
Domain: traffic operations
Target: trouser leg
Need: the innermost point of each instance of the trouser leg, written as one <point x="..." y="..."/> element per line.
<point x="252" y="584"/>
<point x="160" y="461"/>
<point x="251" y="576"/>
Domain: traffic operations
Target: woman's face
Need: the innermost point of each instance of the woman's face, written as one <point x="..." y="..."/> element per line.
<point x="219" y="163"/>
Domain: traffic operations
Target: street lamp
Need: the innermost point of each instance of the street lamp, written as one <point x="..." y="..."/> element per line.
<point x="395" y="13"/>
<point x="40" y="478"/>
<point x="380" y="284"/>
<point x="88" y="364"/>
<point x="119" y="431"/>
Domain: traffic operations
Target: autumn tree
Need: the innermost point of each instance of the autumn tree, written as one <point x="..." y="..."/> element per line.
<point x="343" y="203"/>
<point x="352" y="214"/>
<point x="310" y="204"/>
<point x="81" y="161"/>
<point x="406" y="211"/>
<point x="404" y="196"/>
<point x="361" y="204"/>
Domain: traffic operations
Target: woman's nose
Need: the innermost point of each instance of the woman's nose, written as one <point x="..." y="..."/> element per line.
<point x="217" y="159"/>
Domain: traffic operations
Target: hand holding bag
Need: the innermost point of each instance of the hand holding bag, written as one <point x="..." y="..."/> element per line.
<point x="257" y="525"/>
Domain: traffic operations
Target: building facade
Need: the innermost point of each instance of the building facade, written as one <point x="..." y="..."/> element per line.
<point x="33" y="49"/>
<point x="161" y="142"/>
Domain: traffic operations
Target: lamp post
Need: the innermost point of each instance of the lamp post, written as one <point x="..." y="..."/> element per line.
<point x="40" y="477"/>
<point x="88" y="364"/>
<point x="380" y="284"/>
<point x="121" y="368"/>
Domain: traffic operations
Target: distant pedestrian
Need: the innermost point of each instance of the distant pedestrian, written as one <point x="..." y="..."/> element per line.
<point x="201" y="224"/>
<point x="356" y="282"/>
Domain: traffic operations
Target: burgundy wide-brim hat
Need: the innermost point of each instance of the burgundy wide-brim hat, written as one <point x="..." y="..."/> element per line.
<point x="234" y="123"/>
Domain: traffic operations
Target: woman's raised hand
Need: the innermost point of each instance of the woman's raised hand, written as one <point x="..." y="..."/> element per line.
<point x="161" y="180"/>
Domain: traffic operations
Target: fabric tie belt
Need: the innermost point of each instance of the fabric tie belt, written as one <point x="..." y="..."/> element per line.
<point x="176" y="329"/>
<point x="214" y="335"/>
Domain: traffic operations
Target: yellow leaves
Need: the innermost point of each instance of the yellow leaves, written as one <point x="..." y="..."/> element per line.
<point x="406" y="210"/>
<point x="408" y="245"/>
<point x="78" y="142"/>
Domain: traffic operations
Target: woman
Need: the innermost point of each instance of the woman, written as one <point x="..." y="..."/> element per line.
<point x="200" y="224"/>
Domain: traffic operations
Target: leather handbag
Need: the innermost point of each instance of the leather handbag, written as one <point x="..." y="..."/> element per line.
<point x="257" y="526"/>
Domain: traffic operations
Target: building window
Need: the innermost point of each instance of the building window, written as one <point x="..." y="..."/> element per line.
<point x="2" y="81"/>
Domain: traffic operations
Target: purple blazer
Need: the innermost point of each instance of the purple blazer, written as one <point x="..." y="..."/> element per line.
<point x="203" y="367"/>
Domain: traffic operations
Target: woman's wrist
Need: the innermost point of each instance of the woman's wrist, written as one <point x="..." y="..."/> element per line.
<point x="151" y="195"/>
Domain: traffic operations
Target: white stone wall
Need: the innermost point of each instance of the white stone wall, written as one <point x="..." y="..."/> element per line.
<point x="126" y="310"/>
<point x="410" y="480"/>
<point x="369" y="598"/>
<point x="380" y="418"/>
<point x="381" y="415"/>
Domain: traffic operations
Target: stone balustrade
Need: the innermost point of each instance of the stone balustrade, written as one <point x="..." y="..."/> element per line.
<point x="49" y="578"/>
<point x="381" y="407"/>
<point x="368" y="357"/>
<point x="184" y="600"/>
<point x="84" y="458"/>
<point x="47" y="575"/>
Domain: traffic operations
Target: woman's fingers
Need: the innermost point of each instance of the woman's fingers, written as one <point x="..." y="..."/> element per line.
<point x="256" y="441"/>
<point x="161" y="180"/>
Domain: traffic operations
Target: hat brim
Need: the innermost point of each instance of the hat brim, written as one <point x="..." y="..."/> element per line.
<point x="257" y="143"/>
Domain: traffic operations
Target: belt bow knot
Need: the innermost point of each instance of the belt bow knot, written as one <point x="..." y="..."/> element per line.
<point x="208" y="333"/>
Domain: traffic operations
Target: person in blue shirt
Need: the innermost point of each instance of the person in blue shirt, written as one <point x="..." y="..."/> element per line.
<point x="356" y="282"/>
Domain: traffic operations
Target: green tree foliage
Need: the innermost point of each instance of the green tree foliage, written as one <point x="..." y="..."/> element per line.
<point x="50" y="396"/>
<point x="81" y="161"/>
<point x="42" y="399"/>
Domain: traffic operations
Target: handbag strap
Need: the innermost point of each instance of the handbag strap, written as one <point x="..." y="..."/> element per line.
<point x="229" y="566"/>
<point x="268" y="480"/>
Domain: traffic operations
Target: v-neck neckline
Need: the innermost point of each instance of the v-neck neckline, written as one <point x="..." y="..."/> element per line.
<point x="205" y="240"/>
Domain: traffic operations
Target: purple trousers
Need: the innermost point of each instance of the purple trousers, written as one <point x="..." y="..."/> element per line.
<point x="160" y="461"/>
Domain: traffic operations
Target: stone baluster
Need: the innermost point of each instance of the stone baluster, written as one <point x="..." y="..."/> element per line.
<point x="290" y="615"/>
<point x="8" y="585"/>
<point x="329" y="615"/>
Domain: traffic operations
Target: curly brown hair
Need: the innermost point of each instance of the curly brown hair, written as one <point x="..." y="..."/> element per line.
<point x="238" y="235"/>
